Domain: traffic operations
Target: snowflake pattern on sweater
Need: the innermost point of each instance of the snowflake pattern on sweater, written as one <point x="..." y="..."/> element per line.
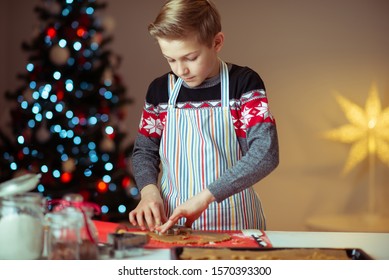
<point x="246" y="112"/>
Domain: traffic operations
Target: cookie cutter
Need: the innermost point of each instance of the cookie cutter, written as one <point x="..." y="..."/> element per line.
<point x="125" y="244"/>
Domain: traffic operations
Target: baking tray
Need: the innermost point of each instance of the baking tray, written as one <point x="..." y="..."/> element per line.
<point x="200" y="253"/>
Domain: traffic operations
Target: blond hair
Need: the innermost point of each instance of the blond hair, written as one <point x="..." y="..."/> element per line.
<point x="181" y="18"/>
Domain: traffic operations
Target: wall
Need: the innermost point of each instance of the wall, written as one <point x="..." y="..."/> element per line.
<point x="3" y="56"/>
<point x="305" y="51"/>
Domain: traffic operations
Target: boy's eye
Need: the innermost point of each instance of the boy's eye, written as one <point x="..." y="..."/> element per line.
<point x="170" y="60"/>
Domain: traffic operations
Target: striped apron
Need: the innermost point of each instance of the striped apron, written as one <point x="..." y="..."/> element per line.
<point x="197" y="147"/>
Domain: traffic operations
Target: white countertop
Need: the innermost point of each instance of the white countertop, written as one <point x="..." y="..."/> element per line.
<point x="375" y="245"/>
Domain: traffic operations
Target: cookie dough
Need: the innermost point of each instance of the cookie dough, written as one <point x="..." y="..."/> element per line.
<point x="193" y="237"/>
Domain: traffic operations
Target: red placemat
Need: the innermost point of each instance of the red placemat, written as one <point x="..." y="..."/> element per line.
<point x="105" y="228"/>
<point x="239" y="239"/>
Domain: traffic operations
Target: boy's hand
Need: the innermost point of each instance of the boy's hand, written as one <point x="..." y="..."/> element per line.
<point x="191" y="210"/>
<point x="149" y="211"/>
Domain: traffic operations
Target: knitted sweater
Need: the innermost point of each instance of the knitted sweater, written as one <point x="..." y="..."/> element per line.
<point x="254" y="126"/>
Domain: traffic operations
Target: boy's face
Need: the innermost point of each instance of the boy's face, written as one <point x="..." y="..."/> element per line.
<point x="192" y="61"/>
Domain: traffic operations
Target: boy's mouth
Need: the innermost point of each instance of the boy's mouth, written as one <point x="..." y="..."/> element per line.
<point x="188" y="79"/>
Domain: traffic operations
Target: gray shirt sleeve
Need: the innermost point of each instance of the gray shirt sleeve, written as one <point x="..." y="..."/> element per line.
<point x="145" y="160"/>
<point x="260" y="157"/>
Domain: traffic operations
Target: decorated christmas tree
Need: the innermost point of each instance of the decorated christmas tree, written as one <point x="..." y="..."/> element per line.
<point x="67" y="122"/>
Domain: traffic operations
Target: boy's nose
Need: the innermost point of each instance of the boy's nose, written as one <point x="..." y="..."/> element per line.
<point x="182" y="69"/>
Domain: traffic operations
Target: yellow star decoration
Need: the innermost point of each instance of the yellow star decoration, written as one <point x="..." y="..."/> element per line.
<point x="368" y="130"/>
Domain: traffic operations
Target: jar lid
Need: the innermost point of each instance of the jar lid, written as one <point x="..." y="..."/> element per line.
<point x="19" y="184"/>
<point x="64" y="219"/>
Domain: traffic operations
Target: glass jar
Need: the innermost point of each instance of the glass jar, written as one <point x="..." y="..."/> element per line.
<point x="88" y="229"/>
<point x="21" y="219"/>
<point x="73" y="205"/>
<point x="63" y="235"/>
<point x="21" y="226"/>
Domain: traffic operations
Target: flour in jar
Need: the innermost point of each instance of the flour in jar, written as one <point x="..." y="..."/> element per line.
<point x="21" y="237"/>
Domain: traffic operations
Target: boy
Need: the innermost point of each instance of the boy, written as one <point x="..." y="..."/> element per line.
<point x="209" y="125"/>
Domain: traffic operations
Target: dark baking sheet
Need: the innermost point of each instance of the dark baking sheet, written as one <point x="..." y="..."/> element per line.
<point x="352" y="253"/>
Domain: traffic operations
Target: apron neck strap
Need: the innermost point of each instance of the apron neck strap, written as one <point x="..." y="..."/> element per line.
<point x="173" y="89"/>
<point x="174" y="86"/>
<point x="225" y="85"/>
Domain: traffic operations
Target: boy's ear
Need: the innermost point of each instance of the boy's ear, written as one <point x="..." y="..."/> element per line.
<point x="218" y="41"/>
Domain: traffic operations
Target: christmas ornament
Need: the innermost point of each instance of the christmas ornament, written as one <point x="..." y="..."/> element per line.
<point x="43" y="134"/>
<point x="27" y="95"/>
<point x="108" y="25"/>
<point x="69" y="165"/>
<point x="114" y="60"/>
<point x="97" y="38"/>
<point x="107" y="145"/>
<point x="107" y="76"/>
<point x="59" y="56"/>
